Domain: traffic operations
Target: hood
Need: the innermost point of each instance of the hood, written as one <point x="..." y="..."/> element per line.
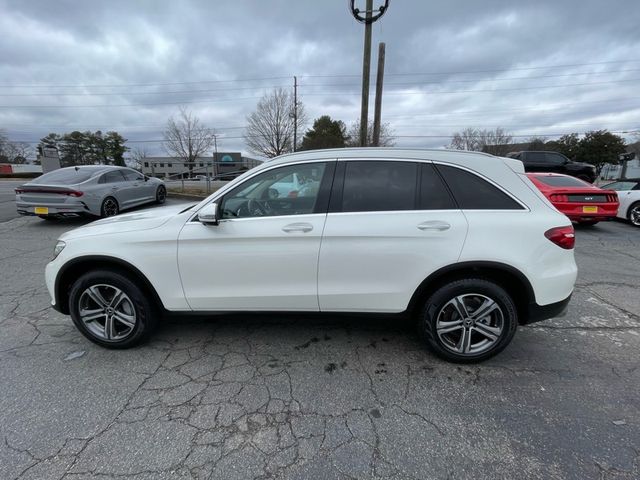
<point x="128" y="222"/>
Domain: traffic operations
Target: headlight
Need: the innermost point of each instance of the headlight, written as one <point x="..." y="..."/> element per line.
<point x="58" y="248"/>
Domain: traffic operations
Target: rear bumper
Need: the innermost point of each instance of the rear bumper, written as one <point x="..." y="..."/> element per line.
<point x="53" y="211"/>
<point x="537" y="313"/>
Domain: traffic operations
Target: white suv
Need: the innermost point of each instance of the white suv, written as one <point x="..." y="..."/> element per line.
<point x="462" y="240"/>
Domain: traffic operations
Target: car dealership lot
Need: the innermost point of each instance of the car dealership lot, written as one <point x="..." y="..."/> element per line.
<point x="332" y="397"/>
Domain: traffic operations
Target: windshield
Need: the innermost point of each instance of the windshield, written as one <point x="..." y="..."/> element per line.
<point x="66" y="176"/>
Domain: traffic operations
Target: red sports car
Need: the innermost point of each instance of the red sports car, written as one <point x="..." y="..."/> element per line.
<point x="582" y="202"/>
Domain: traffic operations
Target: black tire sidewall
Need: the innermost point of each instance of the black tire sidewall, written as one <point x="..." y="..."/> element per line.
<point x="428" y="317"/>
<point x="102" y="213"/>
<point x="158" y="200"/>
<point x="146" y="314"/>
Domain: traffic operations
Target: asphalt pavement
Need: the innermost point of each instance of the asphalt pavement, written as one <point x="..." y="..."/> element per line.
<point x="8" y="199"/>
<point x="249" y="396"/>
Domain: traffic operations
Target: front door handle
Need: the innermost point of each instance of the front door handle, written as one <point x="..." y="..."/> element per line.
<point x="297" y="227"/>
<point x="434" y="225"/>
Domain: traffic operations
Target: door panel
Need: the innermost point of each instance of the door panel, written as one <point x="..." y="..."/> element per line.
<point x="259" y="263"/>
<point x="374" y="261"/>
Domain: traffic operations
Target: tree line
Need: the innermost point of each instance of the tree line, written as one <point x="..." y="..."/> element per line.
<point x="597" y="147"/>
<point x="87" y="148"/>
<point x="13" y="152"/>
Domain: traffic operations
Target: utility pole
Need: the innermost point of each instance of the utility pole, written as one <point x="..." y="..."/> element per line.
<point x="368" y="20"/>
<point x="295" y="113"/>
<point x="377" y="113"/>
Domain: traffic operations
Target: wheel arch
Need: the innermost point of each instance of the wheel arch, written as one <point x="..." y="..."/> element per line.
<point x="511" y="279"/>
<point x="633" y="204"/>
<point x="73" y="269"/>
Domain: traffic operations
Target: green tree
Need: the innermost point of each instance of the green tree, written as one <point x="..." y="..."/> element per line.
<point x="599" y="147"/>
<point x="568" y="145"/>
<point x="325" y="133"/>
<point x="115" y="148"/>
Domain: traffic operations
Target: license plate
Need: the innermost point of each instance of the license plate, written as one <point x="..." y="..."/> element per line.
<point x="41" y="210"/>
<point x="586" y="209"/>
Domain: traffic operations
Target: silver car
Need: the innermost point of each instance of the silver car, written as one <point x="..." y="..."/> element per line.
<point x="97" y="190"/>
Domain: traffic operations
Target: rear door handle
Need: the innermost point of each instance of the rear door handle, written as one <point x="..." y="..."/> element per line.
<point x="437" y="225"/>
<point x="297" y="227"/>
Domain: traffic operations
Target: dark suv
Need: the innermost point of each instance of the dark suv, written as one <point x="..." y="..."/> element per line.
<point x="555" y="162"/>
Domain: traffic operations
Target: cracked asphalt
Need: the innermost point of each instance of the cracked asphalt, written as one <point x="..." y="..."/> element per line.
<point x="320" y="398"/>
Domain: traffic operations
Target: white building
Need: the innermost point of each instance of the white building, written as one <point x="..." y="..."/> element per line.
<point x="223" y="164"/>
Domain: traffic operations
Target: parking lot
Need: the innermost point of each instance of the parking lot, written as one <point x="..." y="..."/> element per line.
<point x="335" y="397"/>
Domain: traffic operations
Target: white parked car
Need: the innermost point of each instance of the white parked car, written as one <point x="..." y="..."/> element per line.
<point x="628" y="191"/>
<point x="462" y="240"/>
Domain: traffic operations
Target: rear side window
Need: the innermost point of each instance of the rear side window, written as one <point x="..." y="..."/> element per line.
<point x="433" y="193"/>
<point x="473" y="193"/>
<point x="114" y="176"/>
<point x="65" y="176"/>
<point x="376" y="186"/>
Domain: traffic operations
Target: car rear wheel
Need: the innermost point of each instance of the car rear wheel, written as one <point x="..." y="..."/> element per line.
<point x="468" y="320"/>
<point x="110" y="310"/>
<point x="110" y="207"/>
<point x="161" y="194"/>
<point x="633" y="214"/>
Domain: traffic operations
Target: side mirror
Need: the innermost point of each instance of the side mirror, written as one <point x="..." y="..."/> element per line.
<point x="146" y="179"/>
<point x="208" y="215"/>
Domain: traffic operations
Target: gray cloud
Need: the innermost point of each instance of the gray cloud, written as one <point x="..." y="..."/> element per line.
<point x="128" y="65"/>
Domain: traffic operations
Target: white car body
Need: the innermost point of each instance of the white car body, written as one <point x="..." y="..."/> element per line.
<point x="628" y="194"/>
<point x="329" y="262"/>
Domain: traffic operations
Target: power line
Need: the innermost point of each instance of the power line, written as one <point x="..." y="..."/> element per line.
<point x="288" y="76"/>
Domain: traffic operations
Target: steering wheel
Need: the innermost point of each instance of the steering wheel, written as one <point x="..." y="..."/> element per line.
<point x="255" y="208"/>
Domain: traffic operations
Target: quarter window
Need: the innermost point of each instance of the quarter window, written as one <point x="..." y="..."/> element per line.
<point x="473" y="193"/>
<point x="433" y="192"/>
<point x="375" y="186"/>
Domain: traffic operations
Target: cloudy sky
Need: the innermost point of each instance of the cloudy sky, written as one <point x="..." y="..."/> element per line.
<point x="534" y="68"/>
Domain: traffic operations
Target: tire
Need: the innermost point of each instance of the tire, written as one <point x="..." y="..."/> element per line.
<point x="589" y="223"/>
<point x="109" y="208"/>
<point x="441" y="308"/>
<point x="133" y="319"/>
<point x="633" y="214"/>
<point x="161" y="194"/>
<point x="585" y="178"/>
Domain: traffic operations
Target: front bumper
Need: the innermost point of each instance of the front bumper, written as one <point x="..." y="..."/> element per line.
<point x="537" y="313"/>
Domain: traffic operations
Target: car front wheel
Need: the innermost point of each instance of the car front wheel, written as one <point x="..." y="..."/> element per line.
<point x="468" y="320"/>
<point x="111" y="310"/>
<point x="634" y="214"/>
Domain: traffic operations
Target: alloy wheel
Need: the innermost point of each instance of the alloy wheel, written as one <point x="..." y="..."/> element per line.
<point x="110" y="207"/>
<point x="107" y="312"/>
<point x="161" y="195"/>
<point x="470" y="324"/>
<point x="634" y="215"/>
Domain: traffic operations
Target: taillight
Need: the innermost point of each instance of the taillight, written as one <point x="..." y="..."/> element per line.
<point x="75" y="193"/>
<point x="69" y="193"/>
<point x="559" y="198"/>
<point x="564" y="237"/>
<point x="19" y="191"/>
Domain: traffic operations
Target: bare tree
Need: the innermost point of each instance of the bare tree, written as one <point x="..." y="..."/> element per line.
<point x="496" y="142"/>
<point x="387" y="138"/>
<point x="137" y="156"/>
<point x="13" y="152"/>
<point x="537" y="143"/>
<point x="270" y="127"/>
<point x="186" y="138"/>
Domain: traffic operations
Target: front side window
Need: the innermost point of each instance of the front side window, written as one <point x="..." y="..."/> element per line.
<point x="132" y="175"/>
<point x="273" y="194"/>
<point x="376" y="186"/>
<point x="536" y="157"/>
<point x="474" y="193"/>
<point x="554" y="159"/>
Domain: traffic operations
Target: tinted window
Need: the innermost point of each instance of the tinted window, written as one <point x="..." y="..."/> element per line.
<point x="554" y="159"/>
<point x="473" y="193"/>
<point x="536" y="157"/>
<point x="131" y="175"/>
<point x="558" y="181"/>
<point x="65" y="176"/>
<point x="267" y="194"/>
<point x="114" y="176"/>
<point x="433" y="192"/>
<point x="379" y="186"/>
